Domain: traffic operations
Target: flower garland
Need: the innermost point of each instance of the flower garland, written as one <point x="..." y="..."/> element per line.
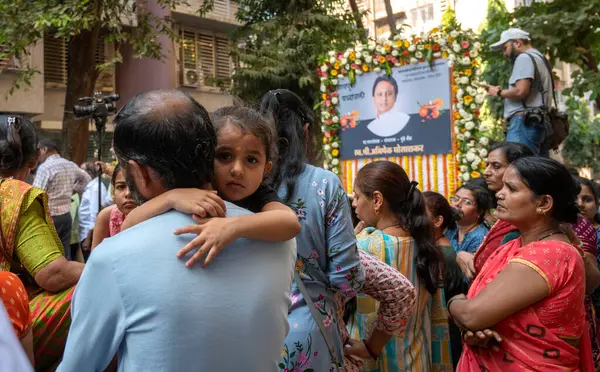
<point x="462" y="51"/>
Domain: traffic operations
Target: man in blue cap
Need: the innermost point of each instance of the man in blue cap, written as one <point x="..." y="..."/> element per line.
<point x="529" y="93"/>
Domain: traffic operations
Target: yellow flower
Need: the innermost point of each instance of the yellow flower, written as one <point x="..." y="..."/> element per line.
<point x="462" y="130"/>
<point x="334" y="72"/>
<point x="365" y="68"/>
<point x="454" y="88"/>
<point x="444" y="54"/>
<point x="456" y="115"/>
<point x="474" y="62"/>
<point x="450" y="39"/>
<point x="482" y="164"/>
<point x="427" y="46"/>
<point x="325" y="140"/>
<point x="399" y="43"/>
<point x="406" y="43"/>
<point x="337" y="65"/>
<point x="335" y="152"/>
<point x="387" y="47"/>
<point x="324" y="96"/>
<point x="434" y="30"/>
<point x="352" y="56"/>
<point x="468" y="99"/>
<point x="381" y="59"/>
<point x="468" y="72"/>
<point x="475" y="174"/>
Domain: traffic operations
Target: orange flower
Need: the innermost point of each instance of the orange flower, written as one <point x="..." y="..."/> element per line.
<point x="468" y="72"/>
<point x="468" y="99"/>
<point x="354" y="113"/>
<point x="334" y="72"/>
<point x="324" y="96"/>
<point x="438" y="102"/>
<point x="474" y="63"/>
<point x="365" y="68"/>
<point x="455" y="88"/>
<point x="436" y="47"/>
<point x="435" y="113"/>
<point x="475" y="174"/>
<point x="387" y="47"/>
<point x="456" y="115"/>
<point x="423" y="112"/>
<point x="450" y="39"/>
<point x="428" y="46"/>
<point x="337" y="65"/>
<point x="434" y="30"/>
<point x="352" y="56"/>
<point x="381" y="59"/>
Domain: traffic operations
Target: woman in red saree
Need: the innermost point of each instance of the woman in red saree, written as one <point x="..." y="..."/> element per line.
<point x="29" y="245"/>
<point x="542" y="324"/>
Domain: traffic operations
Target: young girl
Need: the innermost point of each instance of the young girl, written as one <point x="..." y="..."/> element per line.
<point x="110" y="219"/>
<point x="246" y="147"/>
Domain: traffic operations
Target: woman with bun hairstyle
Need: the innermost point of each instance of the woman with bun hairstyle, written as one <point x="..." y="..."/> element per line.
<point x="29" y="244"/>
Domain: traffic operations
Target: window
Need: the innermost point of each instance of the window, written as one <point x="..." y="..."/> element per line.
<point x="205" y="59"/>
<point x="56" y="58"/>
<point x="420" y="15"/>
<point x="382" y="26"/>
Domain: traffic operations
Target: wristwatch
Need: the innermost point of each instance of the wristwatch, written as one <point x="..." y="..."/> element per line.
<point x="500" y="92"/>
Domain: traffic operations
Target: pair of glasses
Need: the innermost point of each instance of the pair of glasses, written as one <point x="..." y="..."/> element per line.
<point x="457" y="200"/>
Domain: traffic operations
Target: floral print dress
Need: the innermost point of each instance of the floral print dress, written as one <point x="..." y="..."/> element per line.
<point x="328" y="264"/>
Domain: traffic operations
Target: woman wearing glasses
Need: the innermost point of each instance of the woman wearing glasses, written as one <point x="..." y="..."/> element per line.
<point x="472" y="203"/>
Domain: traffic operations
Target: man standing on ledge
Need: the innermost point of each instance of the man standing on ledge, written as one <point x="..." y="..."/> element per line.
<point x="529" y="92"/>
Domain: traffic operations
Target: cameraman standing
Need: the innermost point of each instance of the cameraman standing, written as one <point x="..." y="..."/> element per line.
<point x="529" y="96"/>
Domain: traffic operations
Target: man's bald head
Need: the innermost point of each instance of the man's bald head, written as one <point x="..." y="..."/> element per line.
<point x="169" y="132"/>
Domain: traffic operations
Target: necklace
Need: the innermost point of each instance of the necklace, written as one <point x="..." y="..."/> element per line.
<point x="550" y="234"/>
<point x="387" y="227"/>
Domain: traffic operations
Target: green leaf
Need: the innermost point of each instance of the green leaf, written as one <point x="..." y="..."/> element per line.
<point x="352" y="76"/>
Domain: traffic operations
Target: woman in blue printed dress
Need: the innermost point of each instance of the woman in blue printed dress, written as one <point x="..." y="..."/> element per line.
<point x="328" y="260"/>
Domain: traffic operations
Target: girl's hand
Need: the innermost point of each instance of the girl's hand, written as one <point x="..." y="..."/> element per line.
<point x="203" y="203"/>
<point x="486" y="338"/>
<point x="355" y="348"/>
<point x="214" y="234"/>
<point x="360" y="227"/>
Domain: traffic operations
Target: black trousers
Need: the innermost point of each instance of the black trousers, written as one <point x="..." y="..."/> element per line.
<point x="63" y="225"/>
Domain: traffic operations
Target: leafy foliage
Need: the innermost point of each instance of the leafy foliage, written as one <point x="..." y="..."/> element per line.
<point x="581" y="149"/>
<point x="279" y="44"/>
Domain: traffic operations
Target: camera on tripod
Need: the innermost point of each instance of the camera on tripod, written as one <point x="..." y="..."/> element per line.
<point x="98" y="106"/>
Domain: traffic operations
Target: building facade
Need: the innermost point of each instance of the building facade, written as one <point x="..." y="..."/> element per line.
<point x="199" y="64"/>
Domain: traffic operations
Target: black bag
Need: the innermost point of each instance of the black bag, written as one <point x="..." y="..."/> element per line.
<point x="558" y="120"/>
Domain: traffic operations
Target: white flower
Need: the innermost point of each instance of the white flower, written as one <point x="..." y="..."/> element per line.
<point x="462" y="113"/>
<point x="332" y="60"/>
<point x="395" y="53"/>
<point x="471" y="90"/>
<point x="483" y="153"/>
<point x="478" y="72"/>
<point x="484" y="141"/>
<point x="442" y="42"/>
<point x="473" y="106"/>
<point x="466" y="176"/>
<point x="456" y="48"/>
<point x="477" y="45"/>
<point x="479" y="99"/>
<point x="344" y="61"/>
<point x="323" y="68"/>
<point x="325" y="165"/>
<point x="358" y="62"/>
<point x="368" y="59"/>
<point x="332" y="53"/>
<point x="347" y="67"/>
<point x="323" y="88"/>
<point x="461" y="101"/>
<point x="420" y="47"/>
<point x="419" y="55"/>
<point x="473" y="53"/>
<point x="347" y="53"/>
<point x="326" y="147"/>
<point x="414" y="61"/>
<point x="468" y="116"/>
<point x="466" y="61"/>
<point x="411" y="48"/>
<point x="437" y="54"/>
<point x="323" y="79"/>
<point x="323" y="128"/>
<point x="377" y="69"/>
<point x="475" y="164"/>
<point x="469" y="125"/>
<point x="335" y="119"/>
<point x="470" y="157"/>
<point x="335" y="162"/>
<point x="467" y="134"/>
<point x="335" y="145"/>
<point x="450" y="63"/>
<point x="335" y="170"/>
<point x="452" y="57"/>
<point x="454" y="33"/>
<point x="334" y="81"/>
<point x="464" y="80"/>
<point x="365" y="54"/>
<point x="359" y="71"/>
<point x="464" y="168"/>
<point x="460" y="93"/>
<point x="456" y="129"/>
<point x="334" y="100"/>
<point x="460" y="137"/>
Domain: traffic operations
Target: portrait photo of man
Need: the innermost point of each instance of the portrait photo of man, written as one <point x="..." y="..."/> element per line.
<point x="389" y="120"/>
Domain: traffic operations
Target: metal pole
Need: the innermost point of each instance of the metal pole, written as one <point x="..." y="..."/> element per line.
<point x="100" y="124"/>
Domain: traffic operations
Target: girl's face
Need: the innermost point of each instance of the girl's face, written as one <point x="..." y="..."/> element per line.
<point x="365" y="208"/>
<point x="240" y="163"/>
<point x="122" y="195"/>
<point x="464" y="202"/>
<point x="586" y="203"/>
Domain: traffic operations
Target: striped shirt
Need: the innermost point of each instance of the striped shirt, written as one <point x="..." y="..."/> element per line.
<point x="59" y="178"/>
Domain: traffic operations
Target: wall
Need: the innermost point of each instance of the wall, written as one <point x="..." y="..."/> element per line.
<point x="210" y="100"/>
<point x="28" y="99"/>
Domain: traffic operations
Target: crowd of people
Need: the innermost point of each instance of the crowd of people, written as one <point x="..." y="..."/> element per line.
<point x="218" y="247"/>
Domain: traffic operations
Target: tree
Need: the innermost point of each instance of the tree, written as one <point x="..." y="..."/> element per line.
<point x="581" y="148"/>
<point x="569" y="31"/>
<point x="357" y="14"/>
<point x="391" y="18"/>
<point x="23" y="22"/>
<point x="279" y="44"/>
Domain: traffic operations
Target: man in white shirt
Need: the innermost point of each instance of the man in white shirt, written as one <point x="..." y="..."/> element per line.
<point x="389" y="120"/>
<point x="89" y="208"/>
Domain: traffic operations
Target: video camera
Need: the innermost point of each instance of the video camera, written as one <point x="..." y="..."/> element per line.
<point x="98" y="106"/>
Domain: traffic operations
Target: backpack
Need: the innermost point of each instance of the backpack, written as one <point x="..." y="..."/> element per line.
<point x="558" y="120"/>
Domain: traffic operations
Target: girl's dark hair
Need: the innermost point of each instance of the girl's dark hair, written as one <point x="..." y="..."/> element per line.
<point x="439" y="206"/>
<point x="408" y="204"/>
<point x="291" y="114"/>
<point x="549" y="177"/>
<point x="513" y="150"/>
<point x="591" y="185"/>
<point x="250" y="121"/>
<point x="18" y="142"/>
<point x="116" y="171"/>
<point x="482" y="197"/>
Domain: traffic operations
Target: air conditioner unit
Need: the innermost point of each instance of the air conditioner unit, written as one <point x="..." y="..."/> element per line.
<point x="191" y="78"/>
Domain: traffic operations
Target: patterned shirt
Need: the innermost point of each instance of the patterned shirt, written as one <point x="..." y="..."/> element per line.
<point x="59" y="177"/>
<point x="471" y="241"/>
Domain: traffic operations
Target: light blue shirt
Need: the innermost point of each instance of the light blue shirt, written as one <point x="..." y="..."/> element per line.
<point x="88" y="209"/>
<point x="12" y="356"/>
<point x="136" y="297"/>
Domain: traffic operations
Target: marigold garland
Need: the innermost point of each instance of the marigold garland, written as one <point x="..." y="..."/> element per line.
<point x="461" y="49"/>
<point x="436" y="186"/>
<point x="420" y="172"/>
